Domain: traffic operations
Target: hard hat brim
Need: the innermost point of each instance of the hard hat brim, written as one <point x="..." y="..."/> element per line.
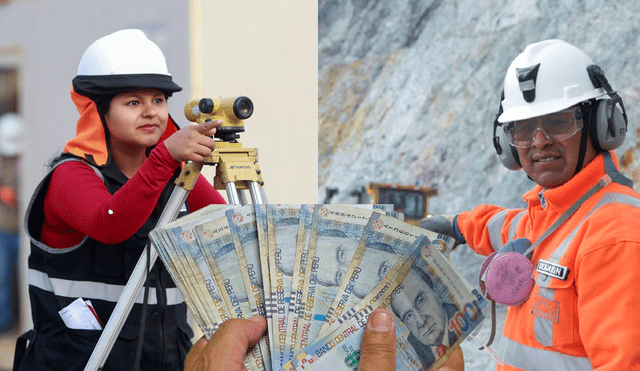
<point x="93" y="86"/>
<point x="537" y="109"/>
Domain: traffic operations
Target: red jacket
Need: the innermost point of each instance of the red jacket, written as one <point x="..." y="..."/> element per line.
<point x="590" y="319"/>
<point x="78" y="203"/>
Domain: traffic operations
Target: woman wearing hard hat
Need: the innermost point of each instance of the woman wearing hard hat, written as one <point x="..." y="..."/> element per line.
<point x="89" y="219"/>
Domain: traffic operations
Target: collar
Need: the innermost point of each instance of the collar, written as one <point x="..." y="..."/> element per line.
<point x="90" y="142"/>
<point x="562" y="197"/>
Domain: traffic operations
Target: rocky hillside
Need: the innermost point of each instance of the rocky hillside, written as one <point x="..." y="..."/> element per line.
<point x="408" y="91"/>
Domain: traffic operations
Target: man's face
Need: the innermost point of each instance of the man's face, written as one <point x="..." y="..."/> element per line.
<point x="550" y="163"/>
<point x="420" y="309"/>
<point x="252" y="255"/>
<point x="375" y="264"/>
<point x="287" y="237"/>
<point x="334" y="254"/>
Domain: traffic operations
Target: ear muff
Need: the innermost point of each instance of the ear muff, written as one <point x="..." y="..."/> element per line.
<point x="608" y="117"/>
<point x="607" y="124"/>
<point x="507" y="153"/>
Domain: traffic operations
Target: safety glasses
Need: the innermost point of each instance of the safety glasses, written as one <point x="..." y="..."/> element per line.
<point x="556" y="127"/>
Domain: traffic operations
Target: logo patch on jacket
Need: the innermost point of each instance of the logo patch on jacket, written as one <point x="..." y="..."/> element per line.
<point x="546" y="309"/>
<point x="553" y="270"/>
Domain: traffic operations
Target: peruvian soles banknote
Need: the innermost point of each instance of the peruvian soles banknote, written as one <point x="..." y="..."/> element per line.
<point x="177" y="247"/>
<point x="316" y="272"/>
<point x="434" y="310"/>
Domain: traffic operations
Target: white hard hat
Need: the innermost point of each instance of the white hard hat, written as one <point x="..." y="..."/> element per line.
<point x="122" y="61"/>
<point x="547" y="77"/>
<point x="11" y="135"/>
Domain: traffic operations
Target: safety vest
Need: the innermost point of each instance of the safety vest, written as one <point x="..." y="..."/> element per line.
<point x="525" y="357"/>
<point x="544" y="333"/>
<point x="98" y="272"/>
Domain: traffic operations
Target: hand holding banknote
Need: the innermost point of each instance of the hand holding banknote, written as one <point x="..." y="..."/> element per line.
<point x="379" y="346"/>
<point x="228" y="347"/>
<point x="315" y="275"/>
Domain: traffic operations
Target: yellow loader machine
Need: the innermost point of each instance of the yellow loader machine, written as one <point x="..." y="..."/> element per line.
<point x="409" y="200"/>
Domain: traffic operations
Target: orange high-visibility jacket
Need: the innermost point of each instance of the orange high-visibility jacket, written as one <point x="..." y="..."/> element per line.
<point x="591" y="318"/>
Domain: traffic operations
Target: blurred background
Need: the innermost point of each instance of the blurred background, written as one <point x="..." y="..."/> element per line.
<point x="408" y="91"/>
<point x="266" y="51"/>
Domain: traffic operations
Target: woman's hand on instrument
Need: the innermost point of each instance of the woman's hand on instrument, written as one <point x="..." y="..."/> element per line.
<point x="193" y="142"/>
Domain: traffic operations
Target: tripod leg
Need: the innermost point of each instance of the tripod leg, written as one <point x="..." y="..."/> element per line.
<point x="232" y="193"/>
<point x="243" y="197"/>
<point x="131" y="290"/>
<point x="184" y="184"/>
<point x="256" y="194"/>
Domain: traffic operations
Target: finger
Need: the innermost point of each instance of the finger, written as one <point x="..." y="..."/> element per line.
<point x="209" y="143"/>
<point x="200" y="152"/>
<point x="209" y="125"/>
<point x="378" y="350"/>
<point x="194" y="354"/>
<point x="454" y="363"/>
<point x="228" y="346"/>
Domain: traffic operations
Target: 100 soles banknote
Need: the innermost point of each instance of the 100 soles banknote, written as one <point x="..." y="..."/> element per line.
<point x="316" y="272"/>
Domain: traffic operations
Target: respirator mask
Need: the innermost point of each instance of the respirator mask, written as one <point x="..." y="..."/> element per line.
<point x="506" y="276"/>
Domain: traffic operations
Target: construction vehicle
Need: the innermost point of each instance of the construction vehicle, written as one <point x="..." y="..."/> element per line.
<point x="410" y="200"/>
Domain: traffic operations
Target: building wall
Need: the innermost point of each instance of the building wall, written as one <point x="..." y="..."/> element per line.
<point x="45" y="39"/>
<point x="264" y="50"/>
<point x="267" y="51"/>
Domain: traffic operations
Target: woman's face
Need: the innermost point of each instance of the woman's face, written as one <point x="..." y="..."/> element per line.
<point x="137" y="119"/>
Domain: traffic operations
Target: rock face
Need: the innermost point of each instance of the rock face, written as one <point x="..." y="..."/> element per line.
<point x="408" y="91"/>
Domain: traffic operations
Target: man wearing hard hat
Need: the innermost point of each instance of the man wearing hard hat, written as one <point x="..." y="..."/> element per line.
<point x="568" y="265"/>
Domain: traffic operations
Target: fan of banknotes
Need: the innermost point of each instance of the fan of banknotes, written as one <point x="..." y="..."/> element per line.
<point x="316" y="272"/>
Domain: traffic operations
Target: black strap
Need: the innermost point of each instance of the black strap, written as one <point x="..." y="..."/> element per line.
<point x="493" y="326"/>
<point x="612" y="174"/>
<point x="21" y="347"/>
<point x="143" y="320"/>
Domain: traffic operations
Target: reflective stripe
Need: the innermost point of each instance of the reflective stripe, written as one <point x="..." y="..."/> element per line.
<point x="494" y="226"/>
<point x="543" y="328"/>
<point x="533" y="359"/>
<point x="607" y="199"/>
<point x="95" y="290"/>
<point x="35" y="241"/>
<point x="514" y="224"/>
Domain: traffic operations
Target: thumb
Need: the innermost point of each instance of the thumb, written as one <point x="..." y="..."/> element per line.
<point x="378" y="350"/>
<point x="228" y="346"/>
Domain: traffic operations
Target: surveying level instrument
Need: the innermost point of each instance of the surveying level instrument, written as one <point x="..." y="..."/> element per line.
<point x="236" y="170"/>
<point x="232" y="111"/>
<point x="236" y="167"/>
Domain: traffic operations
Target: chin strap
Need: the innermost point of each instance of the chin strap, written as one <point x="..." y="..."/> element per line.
<point x="583" y="149"/>
<point x="584" y="137"/>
